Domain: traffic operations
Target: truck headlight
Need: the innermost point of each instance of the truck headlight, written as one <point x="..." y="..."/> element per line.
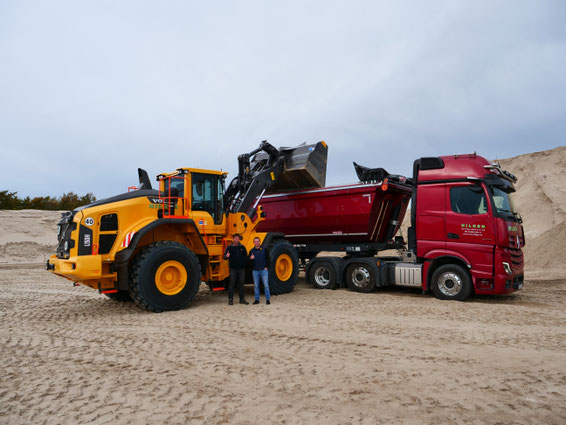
<point x="507" y="268"/>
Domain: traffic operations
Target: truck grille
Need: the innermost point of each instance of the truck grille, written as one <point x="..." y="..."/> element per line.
<point x="517" y="258"/>
<point x="513" y="242"/>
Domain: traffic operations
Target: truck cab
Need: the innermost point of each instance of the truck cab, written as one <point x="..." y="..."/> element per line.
<point x="465" y="226"/>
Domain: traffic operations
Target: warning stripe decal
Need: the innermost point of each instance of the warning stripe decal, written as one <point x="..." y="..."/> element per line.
<point x="127" y="239"/>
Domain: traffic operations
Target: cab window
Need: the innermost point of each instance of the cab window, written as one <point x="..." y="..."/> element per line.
<point x="468" y="200"/>
<point x="208" y="195"/>
<point x="178" y="183"/>
<point x="203" y="192"/>
<point x="503" y="202"/>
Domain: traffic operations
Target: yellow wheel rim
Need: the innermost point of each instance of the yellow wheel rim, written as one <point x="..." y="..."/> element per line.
<point x="283" y="267"/>
<point x="171" y="277"/>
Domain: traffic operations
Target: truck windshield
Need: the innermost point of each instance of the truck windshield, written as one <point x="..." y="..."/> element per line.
<point x="503" y="203"/>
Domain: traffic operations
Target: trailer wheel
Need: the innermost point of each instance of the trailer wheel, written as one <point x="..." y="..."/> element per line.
<point x="120" y="296"/>
<point x="451" y="282"/>
<point x="284" y="267"/>
<point x="360" y="277"/>
<point x="164" y="276"/>
<point x="322" y="275"/>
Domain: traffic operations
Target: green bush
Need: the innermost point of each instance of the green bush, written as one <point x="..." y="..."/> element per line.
<point x="68" y="201"/>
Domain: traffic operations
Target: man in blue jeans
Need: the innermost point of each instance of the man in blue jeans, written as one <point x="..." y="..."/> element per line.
<point x="260" y="258"/>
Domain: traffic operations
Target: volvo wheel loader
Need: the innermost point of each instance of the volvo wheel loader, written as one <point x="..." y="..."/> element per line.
<point x="157" y="245"/>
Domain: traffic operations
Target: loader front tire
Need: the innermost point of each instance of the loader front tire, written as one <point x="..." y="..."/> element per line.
<point x="284" y="267"/>
<point x="164" y="276"/>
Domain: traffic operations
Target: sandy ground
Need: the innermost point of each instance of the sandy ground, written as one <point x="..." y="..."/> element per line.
<point x="71" y="356"/>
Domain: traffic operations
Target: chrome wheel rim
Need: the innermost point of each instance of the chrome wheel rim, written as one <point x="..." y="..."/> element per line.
<point x="450" y="284"/>
<point x="322" y="276"/>
<point x="360" y="277"/>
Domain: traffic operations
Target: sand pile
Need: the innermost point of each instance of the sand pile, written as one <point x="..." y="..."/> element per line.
<point x="27" y="236"/>
<point x="541" y="201"/>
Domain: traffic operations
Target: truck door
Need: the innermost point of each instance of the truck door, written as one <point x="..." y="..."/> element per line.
<point x="430" y="226"/>
<point x="470" y="227"/>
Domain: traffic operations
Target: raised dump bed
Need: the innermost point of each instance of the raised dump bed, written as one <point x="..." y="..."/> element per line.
<point x="357" y="213"/>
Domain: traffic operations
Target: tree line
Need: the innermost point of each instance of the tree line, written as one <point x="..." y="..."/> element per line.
<point x="68" y="201"/>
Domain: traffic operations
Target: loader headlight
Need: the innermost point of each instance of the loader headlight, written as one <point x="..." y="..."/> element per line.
<point x="66" y="246"/>
<point x="507" y="268"/>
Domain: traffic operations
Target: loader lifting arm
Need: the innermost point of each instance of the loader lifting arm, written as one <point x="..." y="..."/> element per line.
<point x="270" y="169"/>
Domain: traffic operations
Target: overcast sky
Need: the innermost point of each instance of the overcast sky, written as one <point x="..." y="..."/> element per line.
<point x="91" y="90"/>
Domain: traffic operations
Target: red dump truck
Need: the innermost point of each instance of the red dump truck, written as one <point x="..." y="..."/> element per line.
<point x="465" y="235"/>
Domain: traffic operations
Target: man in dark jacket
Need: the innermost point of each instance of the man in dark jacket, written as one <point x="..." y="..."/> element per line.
<point x="260" y="258"/>
<point x="237" y="256"/>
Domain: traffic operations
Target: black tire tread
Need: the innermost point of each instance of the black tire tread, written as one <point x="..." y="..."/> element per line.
<point x="136" y="269"/>
<point x="330" y="267"/>
<point x="468" y="286"/>
<point x="275" y="287"/>
<point x="350" y="283"/>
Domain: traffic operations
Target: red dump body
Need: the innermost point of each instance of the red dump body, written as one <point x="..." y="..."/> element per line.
<point x="357" y="213"/>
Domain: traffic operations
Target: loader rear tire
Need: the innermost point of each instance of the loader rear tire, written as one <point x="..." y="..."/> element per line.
<point x="284" y="267"/>
<point x="164" y="276"/>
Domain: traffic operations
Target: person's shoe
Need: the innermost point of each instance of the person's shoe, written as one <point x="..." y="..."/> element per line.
<point x="268" y="302"/>
<point x="230" y="302"/>
<point x="256" y="302"/>
<point x="244" y="302"/>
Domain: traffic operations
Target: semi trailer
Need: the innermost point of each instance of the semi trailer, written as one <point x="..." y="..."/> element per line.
<point x="465" y="235"/>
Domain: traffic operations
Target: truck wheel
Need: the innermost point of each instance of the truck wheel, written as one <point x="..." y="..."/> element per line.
<point x="120" y="296"/>
<point x="322" y="275"/>
<point x="284" y="267"/>
<point x="360" y="277"/>
<point x="164" y="276"/>
<point x="451" y="282"/>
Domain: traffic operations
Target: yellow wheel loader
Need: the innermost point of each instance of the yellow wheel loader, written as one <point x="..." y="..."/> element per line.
<point x="157" y="246"/>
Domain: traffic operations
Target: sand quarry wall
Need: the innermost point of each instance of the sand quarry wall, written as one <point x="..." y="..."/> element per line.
<point x="29" y="236"/>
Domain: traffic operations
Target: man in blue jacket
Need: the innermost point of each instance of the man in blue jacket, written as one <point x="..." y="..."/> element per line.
<point x="237" y="256"/>
<point x="260" y="258"/>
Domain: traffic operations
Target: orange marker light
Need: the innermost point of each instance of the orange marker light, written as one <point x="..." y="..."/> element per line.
<point x="384" y="185"/>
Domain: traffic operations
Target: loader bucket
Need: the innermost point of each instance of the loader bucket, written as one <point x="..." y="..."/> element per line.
<point x="305" y="168"/>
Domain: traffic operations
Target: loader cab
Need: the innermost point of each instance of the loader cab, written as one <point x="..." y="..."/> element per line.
<point x="194" y="193"/>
